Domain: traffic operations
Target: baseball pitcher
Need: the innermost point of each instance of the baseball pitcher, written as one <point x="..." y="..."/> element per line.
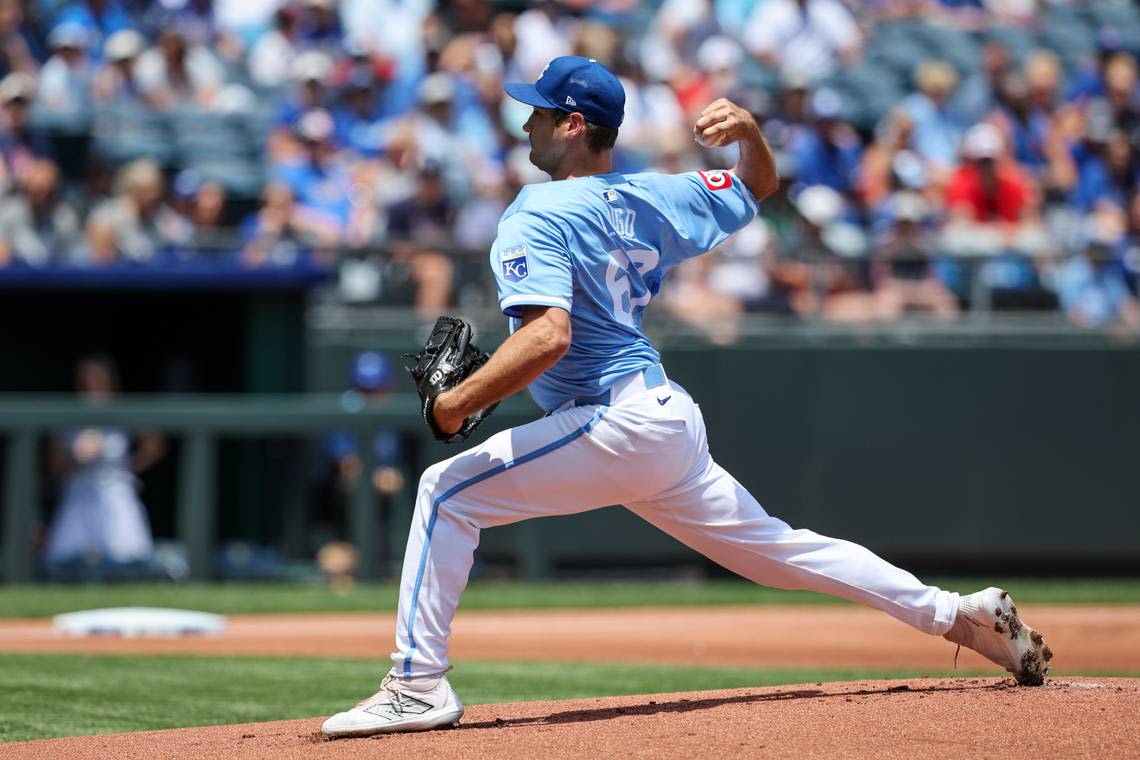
<point x="577" y="260"/>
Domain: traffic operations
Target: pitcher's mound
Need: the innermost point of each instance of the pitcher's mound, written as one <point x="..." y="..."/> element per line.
<point x="936" y="718"/>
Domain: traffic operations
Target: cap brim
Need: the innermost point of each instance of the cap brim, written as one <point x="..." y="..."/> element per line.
<point x="527" y="93"/>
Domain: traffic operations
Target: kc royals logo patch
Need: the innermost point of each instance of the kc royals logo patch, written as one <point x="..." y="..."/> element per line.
<point x="514" y="264"/>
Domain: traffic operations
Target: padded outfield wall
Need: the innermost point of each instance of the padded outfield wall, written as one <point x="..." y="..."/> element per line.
<point x="976" y="445"/>
<point x="1013" y="447"/>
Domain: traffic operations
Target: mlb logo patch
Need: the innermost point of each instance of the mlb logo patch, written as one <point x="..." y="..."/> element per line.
<point x="514" y="264"/>
<point x="610" y="196"/>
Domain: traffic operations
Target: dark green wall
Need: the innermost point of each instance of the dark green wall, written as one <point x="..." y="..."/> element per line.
<point x="995" y="454"/>
<point x="966" y="453"/>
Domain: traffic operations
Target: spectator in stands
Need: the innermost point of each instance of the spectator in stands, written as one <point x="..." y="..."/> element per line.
<point x="202" y="229"/>
<point x="373" y="381"/>
<point x="280" y="234"/>
<point x="1093" y="290"/>
<point x="441" y="133"/>
<point x="993" y="209"/>
<point x="360" y="116"/>
<point x="194" y="18"/>
<point x="419" y="238"/>
<point x="978" y="94"/>
<point x="175" y="72"/>
<point x="1026" y="127"/>
<point x="1044" y="74"/>
<point x="1089" y="79"/>
<point x="64" y="98"/>
<point x="540" y="35"/>
<point x="320" y="179"/>
<point x="746" y="270"/>
<point x="19" y="49"/>
<point x="936" y="129"/>
<point x="115" y="81"/>
<point x="826" y="152"/>
<point x="1012" y="12"/>
<point x="476" y="224"/>
<point x="390" y="28"/>
<point x="691" y="298"/>
<point x="1120" y="95"/>
<point x="98" y="18"/>
<point x="987" y="188"/>
<point x="310" y="74"/>
<point x="902" y="274"/>
<point x="812" y="36"/>
<point x="1127" y="247"/>
<point x="877" y="175"/>
<point x="272" y="56"/>
<point x="791" y="111"/>
<point x="100" y="528"/>
<point x="135" y="225"/>
<point x="37" y="227"/>
<point x="653" y="116"/>
<point x="319" y="25"/>
<point x="1109" y="171"/>
<point x="718" y="58"/>
<point x="822" y="271"/>
<point x="21" y="144"/>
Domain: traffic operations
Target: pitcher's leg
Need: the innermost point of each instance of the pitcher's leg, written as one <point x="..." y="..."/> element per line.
<point x="558" y="465"/>
<point x="715" y="515"/>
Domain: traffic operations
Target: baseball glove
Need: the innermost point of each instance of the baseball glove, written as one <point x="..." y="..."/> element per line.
<point x="444" y="362"/>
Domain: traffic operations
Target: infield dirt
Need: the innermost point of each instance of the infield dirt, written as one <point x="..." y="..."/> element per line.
<point x="920" y="718"/>
<point x="1069" y="717"/>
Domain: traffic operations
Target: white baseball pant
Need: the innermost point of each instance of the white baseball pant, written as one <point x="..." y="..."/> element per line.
<point x="648" y="451"/>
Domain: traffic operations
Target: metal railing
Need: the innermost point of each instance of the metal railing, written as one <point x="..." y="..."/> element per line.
<point x="200" y="421"/>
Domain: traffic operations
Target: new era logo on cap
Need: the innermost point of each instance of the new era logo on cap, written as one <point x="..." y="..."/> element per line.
<point x="574" y="83"/>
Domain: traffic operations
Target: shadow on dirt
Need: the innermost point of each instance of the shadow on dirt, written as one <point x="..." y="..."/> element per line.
<point x="653" y="707"/>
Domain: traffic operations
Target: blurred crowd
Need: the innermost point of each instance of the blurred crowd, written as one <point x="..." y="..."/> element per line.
<point x="937" y="155"/>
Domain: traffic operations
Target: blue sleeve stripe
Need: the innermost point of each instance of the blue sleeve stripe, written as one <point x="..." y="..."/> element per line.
<point x="510" y="463"/>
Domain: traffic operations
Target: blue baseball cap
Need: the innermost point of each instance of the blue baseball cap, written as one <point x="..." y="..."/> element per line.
<point x="371" y="372"/>
<point x="573" y="83"/>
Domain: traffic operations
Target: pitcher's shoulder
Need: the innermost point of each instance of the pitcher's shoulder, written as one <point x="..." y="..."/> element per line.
<point x="557" y="198"/>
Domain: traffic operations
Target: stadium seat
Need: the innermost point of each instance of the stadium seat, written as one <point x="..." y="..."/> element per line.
<point x="959" y="48"/>
<point x="201" y="135"/>
<point x="124" y="132"/>
<point x="1019" y="42"/>
<point x="1117" y="15"/>
<point x="242" y="177"/>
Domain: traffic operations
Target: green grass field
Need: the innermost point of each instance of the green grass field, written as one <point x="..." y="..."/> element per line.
<point x="61" y="695"/>
<point x="66" y="695"/>
<point x="238" y="598"/>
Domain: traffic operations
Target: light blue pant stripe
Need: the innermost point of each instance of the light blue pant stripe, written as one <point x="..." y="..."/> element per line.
<point x="467" y="484"/>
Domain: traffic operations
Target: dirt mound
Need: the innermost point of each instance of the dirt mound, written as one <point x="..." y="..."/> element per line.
<point x="1079" y="717"/>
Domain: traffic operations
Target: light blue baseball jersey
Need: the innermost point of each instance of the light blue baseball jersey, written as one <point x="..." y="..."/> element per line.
<point x="599" y="247"/>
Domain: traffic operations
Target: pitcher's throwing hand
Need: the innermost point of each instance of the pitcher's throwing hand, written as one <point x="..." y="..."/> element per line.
<point x="723" y="123"/>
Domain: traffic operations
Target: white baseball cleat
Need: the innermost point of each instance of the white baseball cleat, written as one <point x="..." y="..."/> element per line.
<point x="987" y="622"/>
<point x="400" y="705"/>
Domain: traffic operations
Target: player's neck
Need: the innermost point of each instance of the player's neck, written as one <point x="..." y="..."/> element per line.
<point x="585" y="165"/>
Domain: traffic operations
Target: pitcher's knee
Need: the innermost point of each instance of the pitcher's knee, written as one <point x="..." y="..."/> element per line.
<point x="430" y="479"/>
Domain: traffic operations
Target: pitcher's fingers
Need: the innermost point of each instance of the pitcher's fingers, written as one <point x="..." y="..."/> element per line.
<point x="715" y="131"/>
<point x="718" y="111"/>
